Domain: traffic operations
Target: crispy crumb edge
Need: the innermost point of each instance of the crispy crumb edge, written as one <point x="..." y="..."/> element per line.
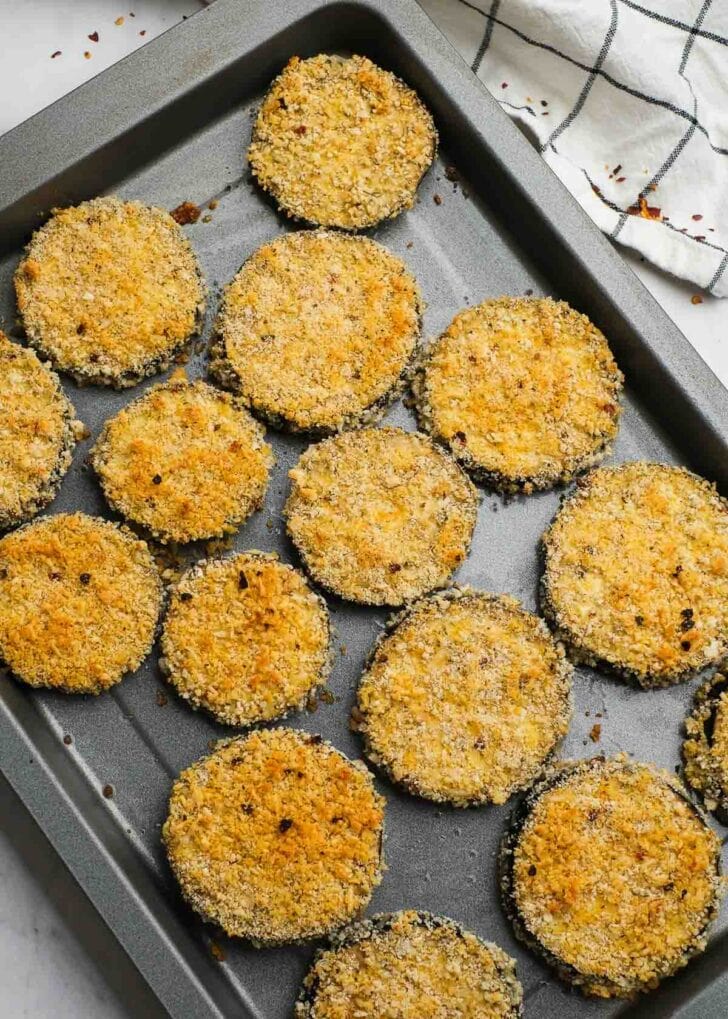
<point x="409" y="783"/>
<point x="579" y="652"/>
<point x="495" y="480"/>
<point x="373" y="927"/>
<point x="560" y="774"/>
<point x="703" y="771"/>
<point x="70" y="433"/>
<point x="168" y="652"/>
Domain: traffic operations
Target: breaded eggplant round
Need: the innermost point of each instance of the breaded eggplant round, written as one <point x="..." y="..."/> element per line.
<point x="636" y="572"/>
<point x="705" y="750"/>
<point x="318" y="330"/>
<point x="38" y="431"/>
<point x="380" y="516"/>
<point x="245" y="638"/>
<point x="79" y="601"/>
<point x="465" y="696"/>
<point x="185" y="461"/>
<point x="276" y="836"/>
<point x="612" y="875"/>
<point x="523" y="391"/>
<point x="340" y="142"/>
<point x="410" y="965"/>
<point x="110" y="291"/>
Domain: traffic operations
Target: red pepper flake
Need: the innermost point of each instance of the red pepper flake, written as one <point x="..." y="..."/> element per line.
<point x="132" y="14"/>
<point x="437" y="199"/>
<point x="545" y="113"/>
<point x="621" y="180"/>
<point x="119" y="21"/>
<point x="595" y="732"/>
<point x="67" y="740"/>
<point x="697" y="217"/>
<point x="185" y="212"/>
<point x="645" y="211"/>
<point x="216" y="952"/>
<point x="87" y="55"/>
<point x="616" y="169"/>
<point x="94" y="37"/>
<point x="596" y="190"/>
<point x="544" y="102"/>
<point x="700" y="237"/>
<point x="56" y="54"/>
<point x="108" y="791"/>
<point x="143" y="32"/>
<point x="504" y="84"/>
<point x="696" y="299"/>
<point x="300" y="130"/>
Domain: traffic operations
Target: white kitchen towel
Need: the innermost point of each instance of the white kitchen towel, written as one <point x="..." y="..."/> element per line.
<point x="628" y="103"/>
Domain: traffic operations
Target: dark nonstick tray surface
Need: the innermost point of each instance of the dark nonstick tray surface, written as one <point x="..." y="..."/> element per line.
<point x="172" y="123"/>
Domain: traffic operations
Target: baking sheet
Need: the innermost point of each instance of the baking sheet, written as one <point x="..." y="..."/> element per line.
<point x="170" y="124"/>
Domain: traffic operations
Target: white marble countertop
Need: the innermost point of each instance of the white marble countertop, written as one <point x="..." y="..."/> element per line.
<point x="57" y="958"/>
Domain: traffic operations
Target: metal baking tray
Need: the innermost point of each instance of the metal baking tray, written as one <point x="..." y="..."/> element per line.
<point x="171" y="123"/>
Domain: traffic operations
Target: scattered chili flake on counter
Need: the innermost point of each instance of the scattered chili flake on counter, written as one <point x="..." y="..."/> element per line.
<point x="644" y="210"/>
<point x="67" y="740"/>
<point x="616" y="169"/>
<point x="697" y="217"/>
<point x="504" y="84"/>
<point x="94" y="37"/>
<point x="56" y="54"/>
<point x="108" y="791"/>
<point x="185" y="212"/>
<point x="143" y="32"/>
<point x="696" y="299"/>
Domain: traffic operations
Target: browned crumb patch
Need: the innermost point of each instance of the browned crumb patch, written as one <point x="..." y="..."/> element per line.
<point x="615" y="874"/>
<point x="409" y="964"/>
<point x="109" y="290"/>
<point x="186" y="213"/>
<point x="341" y="142"/>
<point x="275" y="836"/>
<point x="37" y="433"/>
<point x="465" y="698"/>
<point x="246" y="638"/>
<point x="79" y="600"/>
<point x="380" y="515"/>
<point x="185" y="461"/>
<point x="636" y="571"/>
<point x="317" y="329"/>
<point x="524" y="391"/>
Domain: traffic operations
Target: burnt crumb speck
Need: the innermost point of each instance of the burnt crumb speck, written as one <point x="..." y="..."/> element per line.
<point x="532" y="870"/>
<point x="246" y="808"/>
<point x="185" y="213"/>
<point x="157" y="479"/>
<point x="185" y="596"/>
<point x="437" y="199"/>
<point x="68" y="740"/>
<point x="285" y="824"/>
<point x="161" y="698"/>
<point x="242" y="581"/>
<point x="395" y="567"/>
<point x="640" y="620"/>
<point x="685" y="645"/>
<point x="85" y="578"/>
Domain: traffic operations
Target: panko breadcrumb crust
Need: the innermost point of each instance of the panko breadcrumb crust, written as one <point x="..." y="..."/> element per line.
<point x="79" y="602"/>
<point x="38" y="432"/>
<point x="340" y="142"/>
<point x="410" y="965"/>
<point x="245" y="638"/>
<point x="465" y="697"/>
<point x="523" y="391"/>
<point x="705" y="749"/>
<point x="184" y="461"/>
<point x="110" y="291"/>
<point x="611" y="874"/>
<point x="636" y="572"/>
<point x="318" y="331"/>
<point x="380" y="516"/>
<point x="276" y="836"/>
